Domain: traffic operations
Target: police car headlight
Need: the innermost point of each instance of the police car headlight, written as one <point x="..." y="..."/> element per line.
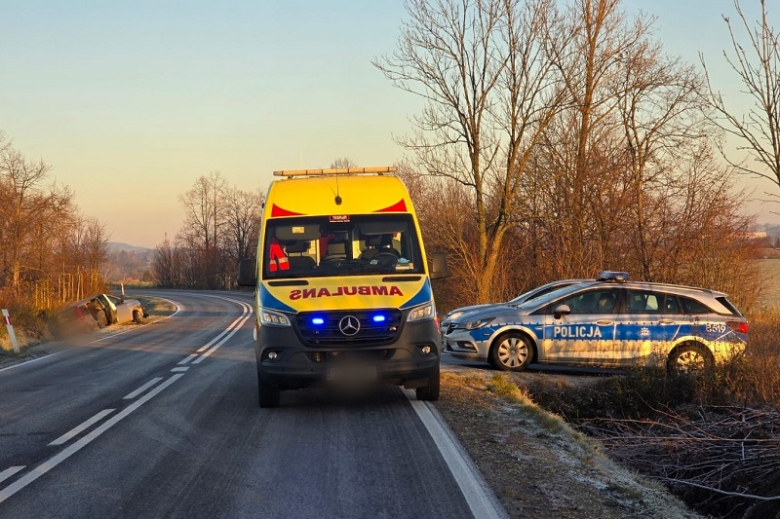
<point x="452" y="316"/>
<point x="422" y="312"/>
<point x="271" y="318"/>
<point x="473" y="325"/>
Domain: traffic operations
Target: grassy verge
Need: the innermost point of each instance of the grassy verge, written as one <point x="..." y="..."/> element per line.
<point x="710" y="437"/>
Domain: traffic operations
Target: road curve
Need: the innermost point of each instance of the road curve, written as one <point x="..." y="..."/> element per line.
<point x="162" y="420"/>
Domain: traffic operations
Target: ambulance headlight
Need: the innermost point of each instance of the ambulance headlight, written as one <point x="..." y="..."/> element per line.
<point x="473" y="325"/>
<point x="422" y="312"/>
<point x="271" y="318"/>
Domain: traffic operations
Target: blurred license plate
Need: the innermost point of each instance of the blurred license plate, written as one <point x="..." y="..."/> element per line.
<point x="352" y="372"/>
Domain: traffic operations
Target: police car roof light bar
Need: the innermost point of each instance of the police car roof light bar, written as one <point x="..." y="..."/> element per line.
<point x="613" y="276"/>
<point x="338" y="171"/>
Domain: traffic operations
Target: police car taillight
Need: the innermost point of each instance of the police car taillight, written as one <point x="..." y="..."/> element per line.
<point x="611" y="275"/>
<point x="738" y="326"/>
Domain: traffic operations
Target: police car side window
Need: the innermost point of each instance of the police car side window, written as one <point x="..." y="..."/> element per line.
<point x="671" y="305"/>
<point x="692" y="306"/>
<point x="646" y="302"/>
<point x="593" y="302"/>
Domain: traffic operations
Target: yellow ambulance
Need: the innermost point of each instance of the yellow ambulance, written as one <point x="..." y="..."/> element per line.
<point x="343" y="291"/>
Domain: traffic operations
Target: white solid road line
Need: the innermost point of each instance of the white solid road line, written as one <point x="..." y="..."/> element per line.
<point x="25" y="363"/>
<point x="188" y="359"/>
<point x="235" y="324"/>
<point x="73" y="448"/>
<point x="79" y="428"/>
<point x="143" y="388"/>
<point x="233" y="328"/>
<point x="480" y="498"/>
<point x="7" y="473"/>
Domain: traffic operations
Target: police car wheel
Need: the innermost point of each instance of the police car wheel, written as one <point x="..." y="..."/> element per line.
<point x="690" y="357"/>
<point x="511" y="352"/>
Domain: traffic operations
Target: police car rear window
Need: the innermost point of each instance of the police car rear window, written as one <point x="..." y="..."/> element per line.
<point x="730" y="307"/>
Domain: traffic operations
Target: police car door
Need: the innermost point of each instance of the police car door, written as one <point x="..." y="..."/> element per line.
<point x="647" y="326"/>
<point x="584" y="333"/>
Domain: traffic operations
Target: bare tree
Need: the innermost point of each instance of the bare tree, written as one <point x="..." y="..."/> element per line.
<point x="484" y="70"/>
<point x="242" y="221"/>
<point x="27" y="204"/>
<point x="204" y="221"/>
<point x="663" y="119"/>
<point x="590" y="62"/>
<point x="343" y="162"/>
<point x="50" y="253"/>
<point x="202" y="208"/>
<point x="757" y="64"/>
<point x="221" y="228"/>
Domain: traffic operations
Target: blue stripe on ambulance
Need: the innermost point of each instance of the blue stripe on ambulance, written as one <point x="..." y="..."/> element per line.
<point x="270" y="302"/>
<point x="423" y="296"/>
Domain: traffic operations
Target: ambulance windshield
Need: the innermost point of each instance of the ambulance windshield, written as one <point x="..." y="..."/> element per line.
<point x="341" y="245"/>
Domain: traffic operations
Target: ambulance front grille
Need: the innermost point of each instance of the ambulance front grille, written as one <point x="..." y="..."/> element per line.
<point x="336" y="328"/>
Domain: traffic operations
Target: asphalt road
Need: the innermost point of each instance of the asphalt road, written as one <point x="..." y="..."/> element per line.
<point x="162" y="420"/>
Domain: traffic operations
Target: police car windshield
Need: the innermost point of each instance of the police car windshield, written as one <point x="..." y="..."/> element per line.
<point x="522" y="297"/>
<point x="343" y="245"/>
<point x="551" y="296"/>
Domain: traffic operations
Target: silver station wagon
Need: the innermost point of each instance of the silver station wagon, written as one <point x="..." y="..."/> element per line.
<point x="608" y="322"/>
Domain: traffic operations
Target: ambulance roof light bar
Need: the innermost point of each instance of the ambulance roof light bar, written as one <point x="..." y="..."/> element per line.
<point x="340" y="171"/>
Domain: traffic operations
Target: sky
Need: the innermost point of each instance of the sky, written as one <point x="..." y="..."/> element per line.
<point x="131" y="102"/>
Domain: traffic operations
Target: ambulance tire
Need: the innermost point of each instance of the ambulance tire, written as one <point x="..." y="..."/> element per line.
<point x="430" y="391"/>
<point x="511" y="352"/>
<point x="690" y="357"/>
<point x="268" y="395"/>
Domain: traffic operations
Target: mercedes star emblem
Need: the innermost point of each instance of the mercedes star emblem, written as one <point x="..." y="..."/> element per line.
<point x="349" y="325"/>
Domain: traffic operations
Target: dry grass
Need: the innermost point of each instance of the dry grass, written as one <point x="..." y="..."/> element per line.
<point x="711" y="437"/>
<point x="537" y="465"/>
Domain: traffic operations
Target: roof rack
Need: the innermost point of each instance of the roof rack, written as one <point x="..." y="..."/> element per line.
<point x="339" y="171"/>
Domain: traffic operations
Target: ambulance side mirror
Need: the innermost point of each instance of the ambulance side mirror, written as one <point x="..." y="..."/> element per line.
<point x="247" y="272"/>
<point x="439" y="267"/>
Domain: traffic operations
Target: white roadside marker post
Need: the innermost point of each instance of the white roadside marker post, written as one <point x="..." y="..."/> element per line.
<point x="10" y="327"/>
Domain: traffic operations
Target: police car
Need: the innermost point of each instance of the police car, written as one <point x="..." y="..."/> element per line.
<point x="609" y="322"/>
<point x="454" y="315"/>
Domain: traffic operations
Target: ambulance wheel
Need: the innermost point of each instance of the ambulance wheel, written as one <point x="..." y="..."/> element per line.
<point x="268" y="395"/>
<point x="430" y="391"/>
<point x="690" y="358"/>
<point x="511" y="352"/>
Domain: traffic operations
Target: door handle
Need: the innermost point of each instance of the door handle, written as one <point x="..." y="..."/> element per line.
<point x="603" y="323"/>
<point x="666" y="321"/>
